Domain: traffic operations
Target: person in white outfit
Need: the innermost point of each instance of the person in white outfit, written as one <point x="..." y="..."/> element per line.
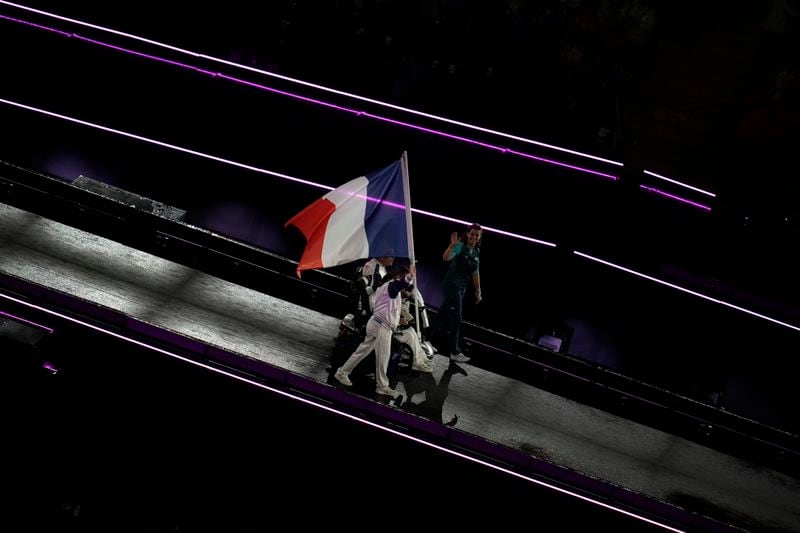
<point x="380" y="328"/>
<point x="371" y="275"/>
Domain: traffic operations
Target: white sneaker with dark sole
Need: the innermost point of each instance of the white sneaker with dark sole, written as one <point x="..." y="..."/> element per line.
<point x="342" y="378"/>
<point x="386" y="391"/>
<point x="459" y="358"/>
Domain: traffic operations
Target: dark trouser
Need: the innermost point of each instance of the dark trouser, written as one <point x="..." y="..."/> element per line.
<point x="450" y="316"/>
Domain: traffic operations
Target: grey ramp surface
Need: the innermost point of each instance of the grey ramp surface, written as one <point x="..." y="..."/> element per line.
<point x="498" y="408"/>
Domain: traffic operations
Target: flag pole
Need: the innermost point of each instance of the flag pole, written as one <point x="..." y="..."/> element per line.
<point x="410" y="233"/>
<point x="407" y="198"/>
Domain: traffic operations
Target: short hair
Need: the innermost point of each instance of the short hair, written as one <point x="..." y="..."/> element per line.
<point x="470" y="228"/>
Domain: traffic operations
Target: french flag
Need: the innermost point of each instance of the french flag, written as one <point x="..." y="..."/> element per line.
<point x="364" y="218"/>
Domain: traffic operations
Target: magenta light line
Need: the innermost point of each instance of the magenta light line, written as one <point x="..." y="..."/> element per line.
<point x="151" y="57"/>
<point x="687" y="291"/>
<point x="166" y="145"/>
<point x="242" y="165"/>
<point x="313" y="85"/>
<point x="334" y="106"/>
<point x="573" y="167"/>
<point x="491" y="146"/>
<point x="423" y="129"/>
<point x="37" y="26"/>
<point x="335" y="411"/>
<point x="675" y="197"/>
<point x="676" y="182"/>
<point x="26" y="321"/>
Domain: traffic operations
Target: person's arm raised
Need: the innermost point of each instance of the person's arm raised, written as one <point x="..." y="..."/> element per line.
<point x="447" y="255"/>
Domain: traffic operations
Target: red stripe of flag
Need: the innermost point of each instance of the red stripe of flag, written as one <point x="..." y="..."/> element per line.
<point x="313" y="223"/>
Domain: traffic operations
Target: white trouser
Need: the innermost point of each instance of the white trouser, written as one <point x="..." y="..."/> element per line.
<point x="379" y="338"/>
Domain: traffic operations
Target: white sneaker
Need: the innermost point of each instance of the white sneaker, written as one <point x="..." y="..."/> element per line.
<point x="342" y="378"/>
<point x="386" y="391"/>
<point x="459" y="358"/>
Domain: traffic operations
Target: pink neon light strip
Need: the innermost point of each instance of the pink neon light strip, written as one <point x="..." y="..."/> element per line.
<point x="676" y="182"/>
<point x="687" y="291"/>
<point x="675" y="197"/>
<point x="308" y="84"/>
<point x="325" y="104"/>
<point x="26" y="321"/>
<point x="333" y="410"/>
<point x="249" y="167"/>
